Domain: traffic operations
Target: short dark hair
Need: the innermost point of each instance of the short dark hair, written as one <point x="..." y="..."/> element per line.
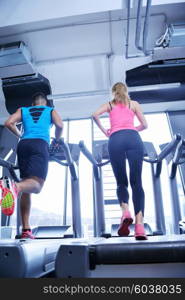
<point x="38" y="95"/>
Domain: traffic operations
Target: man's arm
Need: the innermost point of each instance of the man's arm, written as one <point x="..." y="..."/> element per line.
<point x="10" y="123"/>
<point x="57" y="121"/>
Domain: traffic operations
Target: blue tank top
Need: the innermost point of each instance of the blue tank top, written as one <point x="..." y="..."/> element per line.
<point x="37" y="121"/>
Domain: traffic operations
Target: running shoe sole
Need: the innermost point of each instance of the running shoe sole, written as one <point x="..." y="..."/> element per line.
<point x="27" y="235"/>
<point x="124" y="227"/>
<point x="141" y="237"/>
<point x="7" y="202"/>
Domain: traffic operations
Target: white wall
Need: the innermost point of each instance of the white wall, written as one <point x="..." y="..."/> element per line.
<point x="3" y="112"/>
<point x="70" y="42"/>
<point x="14" y="12"/>
<point x="74" y="108"/>
<point x="77" y="75"/>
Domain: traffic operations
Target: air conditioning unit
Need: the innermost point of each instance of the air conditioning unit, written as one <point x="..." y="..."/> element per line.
<point x="176" y="35"/>
<point x="15" y="60"/>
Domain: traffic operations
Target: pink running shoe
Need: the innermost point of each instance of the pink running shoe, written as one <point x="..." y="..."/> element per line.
<point x="140" y="232"/>
<point x="126" y="221"/>
<point x="27" y="234"/>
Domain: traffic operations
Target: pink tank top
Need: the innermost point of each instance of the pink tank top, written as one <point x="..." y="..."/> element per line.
<point x="121" y="117"/>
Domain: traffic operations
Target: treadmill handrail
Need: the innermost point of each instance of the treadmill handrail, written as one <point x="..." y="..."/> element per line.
<point x="90" y="157"/>
<point x="10" y="167"/>
<point x="178" y="153"/>
<point x="104" y="163"/>
<point x="70" y="162"/>
<point x="176" y="159"/>
<point x="160" y="157"/>
<point x="52" y="158"/>
<point x="87" y="153"/>
<point x="182" y="162"/>
<point x="66" y="152"/>
<point x="171" y="146"/>
<point x="152" y="161"/>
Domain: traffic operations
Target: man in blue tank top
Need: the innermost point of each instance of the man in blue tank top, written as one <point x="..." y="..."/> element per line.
<point x="32" y="153"/>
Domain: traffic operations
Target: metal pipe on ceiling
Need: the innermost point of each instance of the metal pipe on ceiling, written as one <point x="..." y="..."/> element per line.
<point x="111" y="52"/>
<point x="142" y="48"/>
<point x="138" y="25"/>
<point x="146" y="27"/>
<point x="128" y="33"/>
<point x="128" y="29"/>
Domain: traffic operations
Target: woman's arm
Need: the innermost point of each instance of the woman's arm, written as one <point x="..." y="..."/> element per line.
<point x="101" y="110"/>
<point x="138" y="111"/>
<point x="11" y="122"/>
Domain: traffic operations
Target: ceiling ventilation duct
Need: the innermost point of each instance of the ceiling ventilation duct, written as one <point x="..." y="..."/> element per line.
<point x="161" y="81"/>
<point x="174" y="36"/>
<point x="18" y="91"/>
<point x="159" y="72"/>
<point x="15" y="60"/>
<point x="171" y="45"/>
<point x="177" y="35"/>
<point x="19" y="78"/>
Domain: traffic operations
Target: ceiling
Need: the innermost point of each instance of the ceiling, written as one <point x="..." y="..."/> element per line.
<point x="85" y="52"/>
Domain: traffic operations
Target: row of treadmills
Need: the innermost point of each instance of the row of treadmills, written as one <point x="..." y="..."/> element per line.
<point x="54" y="253"/>
<point x="159" y="256"/>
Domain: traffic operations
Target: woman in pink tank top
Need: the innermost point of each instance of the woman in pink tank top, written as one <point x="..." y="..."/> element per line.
<point x="125" y="143"/>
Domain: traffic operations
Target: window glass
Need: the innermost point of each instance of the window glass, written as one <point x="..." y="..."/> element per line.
<point x="158" y="133"/>
<point x="81" y="130"/>
<point x="47" y="207"/>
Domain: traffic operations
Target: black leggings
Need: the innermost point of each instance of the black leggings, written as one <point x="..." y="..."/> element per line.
<point x="127" y="144"/>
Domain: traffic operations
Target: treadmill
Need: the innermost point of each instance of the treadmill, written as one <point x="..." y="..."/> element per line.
<point x="23" y="258"/>
<point x="8" y="144"/>
<point x="100" y="158"/>
<point x="67" y="155"/>
<point x="174" y="161"/>
<point x="124" y="257"/>
<point x="158" y="257"/>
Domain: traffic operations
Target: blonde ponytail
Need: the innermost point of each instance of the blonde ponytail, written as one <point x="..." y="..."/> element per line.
<point x="121" y="93"/>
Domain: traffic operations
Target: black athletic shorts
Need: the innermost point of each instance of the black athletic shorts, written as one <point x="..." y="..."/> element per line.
<point x="33" y="158"/>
